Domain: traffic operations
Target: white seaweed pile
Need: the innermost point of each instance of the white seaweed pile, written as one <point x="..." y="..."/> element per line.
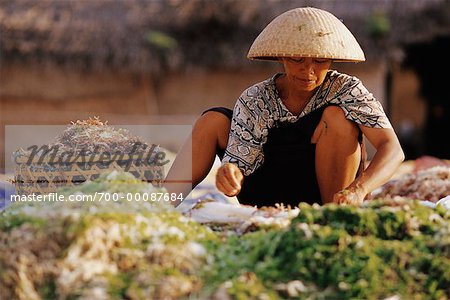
<point x="100" y="250"/>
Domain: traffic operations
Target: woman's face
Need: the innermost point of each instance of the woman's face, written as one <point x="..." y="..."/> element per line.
<point x="305" y="73"/>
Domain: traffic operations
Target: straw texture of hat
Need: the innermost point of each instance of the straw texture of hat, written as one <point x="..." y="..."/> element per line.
<point x="307" y="32"/>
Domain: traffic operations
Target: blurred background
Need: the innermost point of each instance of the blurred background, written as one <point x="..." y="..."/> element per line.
<point x="164" y="62"/>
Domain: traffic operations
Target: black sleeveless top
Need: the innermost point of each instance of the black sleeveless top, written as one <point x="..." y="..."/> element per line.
<point x="288" y="174"/>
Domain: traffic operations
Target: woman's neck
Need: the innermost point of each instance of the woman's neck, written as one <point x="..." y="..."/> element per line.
<point x="295" y="100"/>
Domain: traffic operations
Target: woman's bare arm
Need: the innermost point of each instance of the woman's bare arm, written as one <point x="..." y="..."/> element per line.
<point x="389" y="155"/>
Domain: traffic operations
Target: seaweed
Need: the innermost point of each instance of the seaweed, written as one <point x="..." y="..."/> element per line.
<point x="345" y="252"/>
<point x="148" y="250"/>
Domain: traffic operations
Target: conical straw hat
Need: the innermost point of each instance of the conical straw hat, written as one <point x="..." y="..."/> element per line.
<point x="307" y="32"/>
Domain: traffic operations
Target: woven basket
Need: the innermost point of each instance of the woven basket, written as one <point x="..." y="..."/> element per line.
<point x="42" y="176"/>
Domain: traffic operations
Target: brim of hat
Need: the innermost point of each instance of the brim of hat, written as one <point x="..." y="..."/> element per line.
<point x="274" y="57"/>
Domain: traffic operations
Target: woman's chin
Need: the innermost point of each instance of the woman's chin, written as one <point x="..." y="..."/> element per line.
<point x="306" y="87"/>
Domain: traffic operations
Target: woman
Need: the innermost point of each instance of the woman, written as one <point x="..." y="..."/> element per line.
<point x="298" y="135"/>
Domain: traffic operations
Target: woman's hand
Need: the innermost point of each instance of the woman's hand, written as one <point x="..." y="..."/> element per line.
<point x="229" y="179"/>
<point x="353" y="195"/>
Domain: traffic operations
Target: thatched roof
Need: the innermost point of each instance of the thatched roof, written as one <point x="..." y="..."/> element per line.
<point x="152" y="35"/>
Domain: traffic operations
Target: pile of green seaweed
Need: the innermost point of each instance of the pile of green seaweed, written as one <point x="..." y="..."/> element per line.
<point x="149" y="250"/>
<point x="389" y="248"/>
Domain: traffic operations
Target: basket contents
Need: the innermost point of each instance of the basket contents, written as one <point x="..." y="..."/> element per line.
<point x="83" y="151"/>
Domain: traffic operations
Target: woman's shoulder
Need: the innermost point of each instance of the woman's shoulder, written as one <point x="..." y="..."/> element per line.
<point x="343" y="80"/>
<point x="340" y="87"/>
<point x="262" y="89"/>
<point x="342" y="77"/>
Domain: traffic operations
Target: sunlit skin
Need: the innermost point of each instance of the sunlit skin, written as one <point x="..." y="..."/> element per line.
<point x="303" y="75"/>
